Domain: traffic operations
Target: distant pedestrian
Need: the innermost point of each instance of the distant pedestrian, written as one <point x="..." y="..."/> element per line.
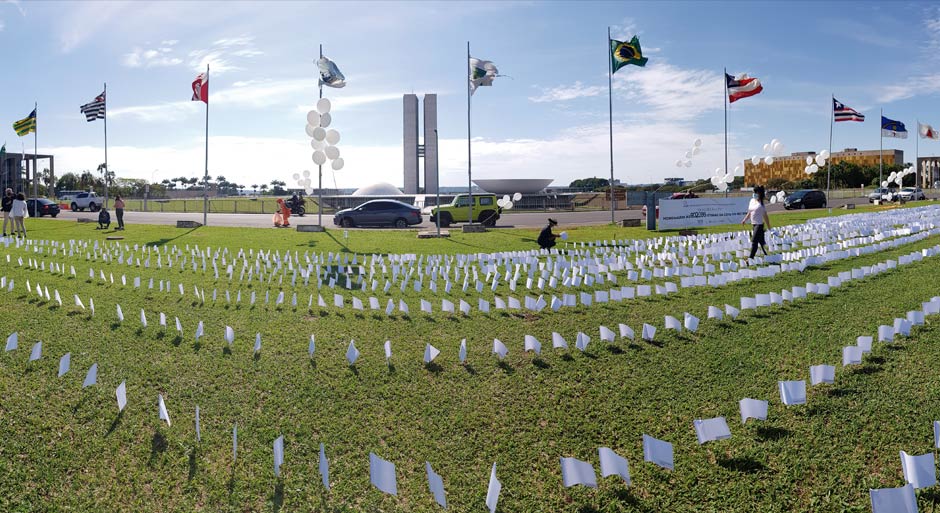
<point x="6" y="206"/>
<point x="119" y="210"/>
<point x="19" y="213"/>
<point x="281" y="221"/>
<point x="760" y="222"/>
<point x="546" y="238"/>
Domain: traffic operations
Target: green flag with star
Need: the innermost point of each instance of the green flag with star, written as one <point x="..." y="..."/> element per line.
<point x="623" y="53"/>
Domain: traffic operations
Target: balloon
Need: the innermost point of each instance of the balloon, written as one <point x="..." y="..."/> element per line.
<point x="319" y="158"/>
<point x="325" y="119"/>
<point x="309" y="191"/>
<point x="820" y="160"/>
<point x="323" y="105"/>
<point x="755" y="160"/>
<point x="310" y="128"/>
<point x="695" y="150"/>
<point x="722" y="187"/>
<point x="296" y="176"/>
<point x="317" y="145"/>
<point x="306" y="182"/>
<point x="697" y="143"/>
<point x="807" y="171"/>
<point x="508" y="205"/>
<point x="313" y="118"/>
<point x="737" y="169"/>
<point x="780" y="148"/>
<point x="563" y="235"/>
<point x="776" y="147"/>
<point x="813" y="168"/>
<point x="501" y="202"/>
<point x="332" y="152"/>
<point x="517" y="196"/>
<point x="766" y="148"/>
<point x="679" y="163"/>
<point x="717" y="180"/>
<point x="892" y="176"/>
<point x="774" y="142"/>
<point x="332" y="136"/>
<point x="688" y="163"/>
<point x="337" y="164"/>
<point x="688" y="154"/>
<point x="717" y="171"/>
<point x="773" y="199"/>
<point x="729" y="178"/>
<point x="306" y="173"/>
<point x="768" y="160"/>
<point x="809" y="160"/>
<point x="319" y="134"/>
<point x="884" y="183"/>
<point x="825" y="154"/>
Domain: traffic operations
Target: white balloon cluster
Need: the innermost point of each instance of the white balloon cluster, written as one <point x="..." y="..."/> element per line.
<point x="506" y="202"/>
<point x="898" y="176"/>
<point x="814" y="163"/>
<point x="323" y="142"/>
<point x="694" y="150"/>
<point x="779" y="197"/>
<point x="721" y="180"/>
<point x="772" y="149"/>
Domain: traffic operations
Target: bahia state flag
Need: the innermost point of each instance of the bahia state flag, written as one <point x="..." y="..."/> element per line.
<point x="330" y="75"/>
<point x="742" y="86"/>
<point x="623" y="53"/>
<point x="892" y="128"/>
<point x="842" y="113"/>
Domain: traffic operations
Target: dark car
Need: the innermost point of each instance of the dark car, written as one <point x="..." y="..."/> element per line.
<point x="46" y="207"/>
<point x="806" y="198"/>
<point x="379" y="213"/>
<point x="684" y="195"/>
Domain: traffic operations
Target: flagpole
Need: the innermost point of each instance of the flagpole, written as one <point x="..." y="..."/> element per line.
<point x="320" y="166"/>
<point x="36" y="152"/>
<point x="881" y="147"/>
<point x="205" y="178"/>
<point x="610" y="111"/>
<point x="916" y="154"/>
<point x="832" y="116"/>
<point x="725" y="79"/>
<point x="106" y="169"/>
<point x="469" y="168"/>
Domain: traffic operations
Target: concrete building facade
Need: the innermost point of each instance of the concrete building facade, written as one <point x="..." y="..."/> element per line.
<point x="414" y="151"/>
<point x="430" y="144"/>
<point x="791" y="167"/>
<point x="410" y="143"/>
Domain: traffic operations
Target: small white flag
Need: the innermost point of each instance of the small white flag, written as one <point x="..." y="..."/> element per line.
<point x="143" y="318"/>
<point x="893" y="500"/>
<point x="533" y="344"/>
<point x="436" y="485"/>
<point x="577" y="472"/>
<point x="324" y="465"/>
<point x="198" y="430"/>
<point x="492" y="490"/>
<point x="257" y="343"/>
<point x="612" y="464"/>
<point x="753" y="409"/>
<point x="559" y="342"/>
<point x="388" y="350"/>
<point x="792" y="392"/>
<point x="382" y="474"/>
<point x="36" y="352"/>
<point x="463" y="350"/>
<point x="312" y="346"/>
<point x="120" y="314"/>
<point x="919" y="471"/>
<point x="352" y="354"/>
<point x="164" y="415"/>
<point x="499" y="348"/>
<point x="121" y="394"/>
<point x="430" y="353"/>
<point x="708" y="430"/>
<point x="658" y="452"/>
<point x="199" y="330"/>
<point x="278" y="455"/>
<point x="822" y="374"/>
<point x="64" y="363"/>
<point x="229" y="335"/>
<point x="92" y="377"/>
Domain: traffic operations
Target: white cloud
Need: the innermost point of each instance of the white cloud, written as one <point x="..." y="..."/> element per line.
<point x="346" y="101"/>
<point x="161" y="113"/>
<point x="87" y="19"/>
<point x="565" y="93"/>
<point x="917" y="86"/>
<point x="1" y="25"/>
<point x="224" y="54"/>
<point x="149" y="58"/>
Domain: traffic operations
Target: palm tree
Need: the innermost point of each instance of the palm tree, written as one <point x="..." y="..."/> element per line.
<point x="254" y="188"/>
<point x="264" y="188"/>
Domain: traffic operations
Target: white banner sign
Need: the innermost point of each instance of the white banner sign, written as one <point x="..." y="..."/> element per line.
<point x="686" y="213"/>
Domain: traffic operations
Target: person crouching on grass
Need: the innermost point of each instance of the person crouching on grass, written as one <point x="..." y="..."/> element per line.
<point x="757" y="213"/>
<point x="546" y="238"/>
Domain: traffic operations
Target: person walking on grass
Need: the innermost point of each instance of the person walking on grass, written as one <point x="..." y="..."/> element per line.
<point x="119" y="210"/>
<point x="760" y="222"/>
<point x="19" y="213"/>
<point x="6" y="206"/>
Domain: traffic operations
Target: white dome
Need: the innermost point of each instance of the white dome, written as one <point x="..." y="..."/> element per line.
<point x="378" y="189"/>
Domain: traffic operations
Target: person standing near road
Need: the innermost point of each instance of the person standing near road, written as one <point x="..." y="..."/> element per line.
<point x="6" y="206"/>
<point x="19" y="213"/>
<point x="760" y="222"/>
<point x="119" y="210"/>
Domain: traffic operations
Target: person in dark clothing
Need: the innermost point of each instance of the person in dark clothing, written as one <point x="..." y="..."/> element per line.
<point x="104" y="219"/>
<point x="6" y="206"/>
<point x="546" y="238"/>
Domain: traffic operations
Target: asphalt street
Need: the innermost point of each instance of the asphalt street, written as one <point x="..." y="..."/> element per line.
<point x="511" y="219"/>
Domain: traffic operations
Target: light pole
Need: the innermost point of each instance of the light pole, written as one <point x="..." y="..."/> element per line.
<point x="437" y="167"/>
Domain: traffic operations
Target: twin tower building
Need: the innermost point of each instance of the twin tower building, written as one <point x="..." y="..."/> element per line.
<point x="414" y="151"/>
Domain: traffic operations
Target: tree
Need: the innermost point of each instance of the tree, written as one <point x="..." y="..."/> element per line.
<point x="86" y="180"/>
<point x="254" y="188"/>
<point x="278" y="187"/>
<point x="67" y="182"/>
<point x="264" y="188"/>
<point x="775" y="183"/>
<point x="590" y="183"/>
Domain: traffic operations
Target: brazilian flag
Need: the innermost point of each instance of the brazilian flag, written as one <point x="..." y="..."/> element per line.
<point x="623" y="53"/>
<point x="26" y="125"/>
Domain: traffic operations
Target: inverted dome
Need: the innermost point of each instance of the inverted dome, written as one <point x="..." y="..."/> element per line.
<point x="378" y="189"/>
<point x="513" y="185"/>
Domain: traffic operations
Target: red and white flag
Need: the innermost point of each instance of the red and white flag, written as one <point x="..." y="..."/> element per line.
<point x="927" y="131"/>
<point x="201" y="88"/>
<point x="742" y="87"/>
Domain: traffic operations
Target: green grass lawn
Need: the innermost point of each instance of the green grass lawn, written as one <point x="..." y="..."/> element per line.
<point x="67" y="449"/>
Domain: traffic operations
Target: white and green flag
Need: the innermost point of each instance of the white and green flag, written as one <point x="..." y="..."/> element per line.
<point x="330" y="75"/>
<point x="482" y="73"/>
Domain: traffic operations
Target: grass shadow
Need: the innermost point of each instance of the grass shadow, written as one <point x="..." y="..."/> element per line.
<point x="745" y="465"/>
<point x="277" y="500"/>
<point x="470" y="370"/>
<point x="354" y="370"/>
<point x="769" y="433"/>
<point x="115" y="325"/>
<point x="313" y="362"/>
<point x="614" y="349"/>
<point x="433" y="368"/>
<point x="114" y="423"/>
<point x="567" y="357"/>
<point x="158" y="445"/>
<point x="192" y="465"/>
<point x="505" y="367"/>
<point x="540" y="363"/>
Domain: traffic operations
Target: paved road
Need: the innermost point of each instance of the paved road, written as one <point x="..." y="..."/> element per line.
<point x="518" y="219"/>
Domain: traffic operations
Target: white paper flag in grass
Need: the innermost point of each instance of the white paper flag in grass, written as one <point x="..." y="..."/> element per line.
<point x="91" y="377"/>
<point x="792" y="392"/>
<point x="708" y="430"/>
<point x="121" y="394"/>
<point x="612" y="464"/>
<point x="752" y="409"/>
<point x="436" y="485"/>
<point x="278" y="455"/>
<point x="499" y="348"/>
<point x="324" y="466"/>
<point x="532" y="344"/>
<point x="36" y="352"/>
<point x="430" y="353"/>
<point x="161" y="406"/>
<point x="577" y="472"/>
<point x="493" y="490"/>
<point x="382" y="474"/>
<point x="893" y="500"/>
<point x="352" y="354"/>
<point x="919" y="471"/>
<point x="65" y="363"/>
<point x="658" y="452"/>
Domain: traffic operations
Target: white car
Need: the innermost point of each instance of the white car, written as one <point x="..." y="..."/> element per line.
<point x="88" y="200"/>
<point x="912" y="194"/>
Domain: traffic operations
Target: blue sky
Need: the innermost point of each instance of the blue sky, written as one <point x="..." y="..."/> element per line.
<point x="548" y="118"/>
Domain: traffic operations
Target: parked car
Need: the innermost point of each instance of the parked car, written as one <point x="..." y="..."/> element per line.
<point x="485" y="210"/>
<point x="684" y="195"/>
<point x="379" y="213"/>
<point x="912" y="194"/>
<point x="806" y="198"/>
<point x="88" y="200"/>
<point x="880" y="193"/>
<point x="46" y="207"/>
